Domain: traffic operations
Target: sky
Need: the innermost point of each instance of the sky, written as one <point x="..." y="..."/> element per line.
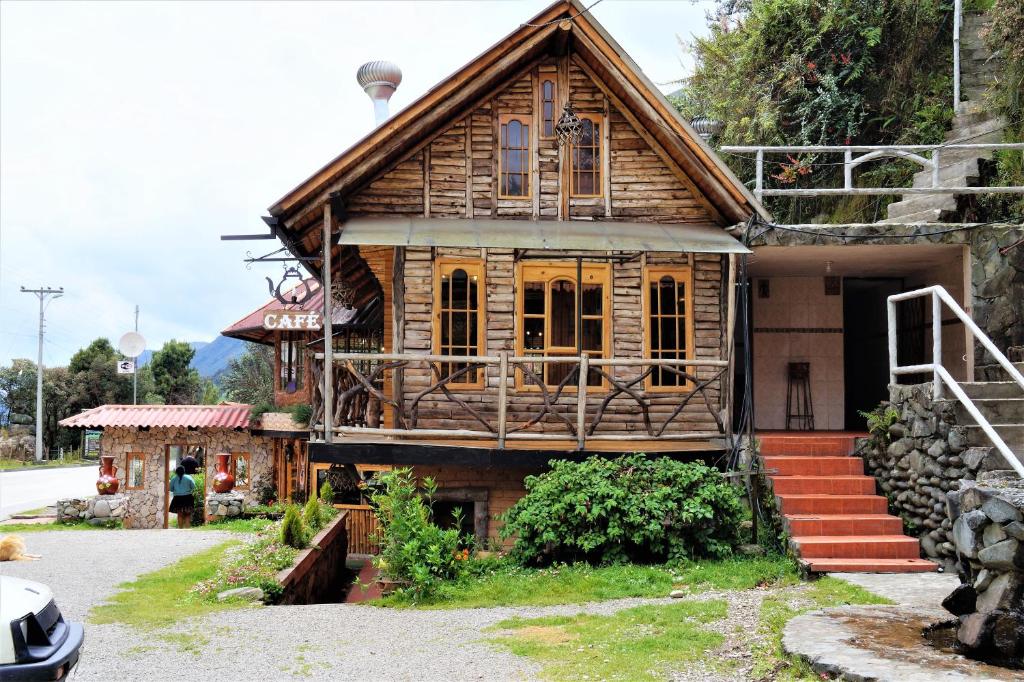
<point x="132" y="135"/>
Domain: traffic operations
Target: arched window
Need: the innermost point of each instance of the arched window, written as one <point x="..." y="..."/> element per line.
<point x="547" y="107"/>
<point x="586" y="158"/>
<point x="669" y="324"/>
<point x="514" y="157"/>
<point x="459" y="305"/>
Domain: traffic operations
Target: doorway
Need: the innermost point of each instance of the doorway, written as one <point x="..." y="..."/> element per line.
<point x="865" y="345"/>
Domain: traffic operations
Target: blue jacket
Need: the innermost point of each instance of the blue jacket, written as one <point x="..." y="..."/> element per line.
<point x="182" y="486"/>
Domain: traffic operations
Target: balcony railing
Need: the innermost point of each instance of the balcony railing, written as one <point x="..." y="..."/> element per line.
<point x="587" y="399"/>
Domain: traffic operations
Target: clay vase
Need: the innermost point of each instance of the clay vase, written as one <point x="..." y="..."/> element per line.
<point x="223" y="481"/>
<point x="107" y="483"/>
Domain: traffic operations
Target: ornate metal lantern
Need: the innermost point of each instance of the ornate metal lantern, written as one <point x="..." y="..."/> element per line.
<point x="569" y="127"/>
<point x="707" y="127"/>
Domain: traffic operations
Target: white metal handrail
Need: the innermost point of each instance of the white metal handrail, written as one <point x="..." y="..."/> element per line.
<point x="940" y="375"/>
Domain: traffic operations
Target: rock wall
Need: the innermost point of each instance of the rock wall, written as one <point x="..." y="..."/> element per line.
<point x="149" y="502"/>
<point x="318" y="574"/>
<point x="98" y="511"/>
<point x="988" y="531"/>
<point x="220" y="506"/>
<point x="927" y="457"/>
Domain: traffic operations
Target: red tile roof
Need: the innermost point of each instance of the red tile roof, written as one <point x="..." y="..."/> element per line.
<point x="224" y="416"/>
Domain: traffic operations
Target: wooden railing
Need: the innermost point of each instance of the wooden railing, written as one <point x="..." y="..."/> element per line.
<point x="515" y="402"/>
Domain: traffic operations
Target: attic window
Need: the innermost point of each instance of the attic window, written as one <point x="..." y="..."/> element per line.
<point x="514" y="158"/>
<point x="547" y="107"/>
<point x="586" y="158"/>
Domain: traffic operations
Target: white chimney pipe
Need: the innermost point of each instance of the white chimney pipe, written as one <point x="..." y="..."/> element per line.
<point x="379" y="80"/>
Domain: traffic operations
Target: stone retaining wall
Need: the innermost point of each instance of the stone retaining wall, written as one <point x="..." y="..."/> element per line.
<point x="220" y="506"/>
<point x="318" y="574"/>
<point x="97" y="510"/>
<point x="988" y="532"/>
<point x="927" y="458"/>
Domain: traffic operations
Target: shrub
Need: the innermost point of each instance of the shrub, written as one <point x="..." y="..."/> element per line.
<point x="301" y="413"/>
<point x="255" y="564"/>
<point x="199" y="500"/>
<point x="312" y="515"/>
<point x="266" y="492"/>
<point x="293" y="531"/>
<point x="412" y="547"/>
<point x="327" y="493"/>
<point x="633" y="508"/>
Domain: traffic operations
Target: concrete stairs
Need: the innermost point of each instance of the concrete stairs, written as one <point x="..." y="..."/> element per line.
<point x="834" y="519"/>
<point x="973" y="124"/>
<point x="1001" y="402"/>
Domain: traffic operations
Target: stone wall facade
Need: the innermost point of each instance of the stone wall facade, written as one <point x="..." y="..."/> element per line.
<point x="988" y="531"/>
<point x="98" y="510"/>
<point x="147" y="505"/>
<point x="221" y="506"/>
<point x="928" y="457"/>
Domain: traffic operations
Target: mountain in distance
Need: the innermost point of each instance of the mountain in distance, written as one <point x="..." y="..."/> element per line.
<point x="212" y="357"/>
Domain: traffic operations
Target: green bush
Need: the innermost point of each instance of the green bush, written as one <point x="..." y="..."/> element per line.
<point x="412" y="548"/>
<point x="199" y="500"/>
<point x="293" y="531"/>
<point x="301" y="413"/>
<point x="633" y="508"/>
<point x="312" y="515"/>
<point x="327" y="493"/>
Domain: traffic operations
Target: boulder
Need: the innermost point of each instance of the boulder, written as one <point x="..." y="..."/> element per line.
<point x="1000" y="510"/>
<point x="1008" y="634"/>
<point x="246" y="593"/>
<point x="961" y="601"/>
<point x="965" y="535"/>
<point x="1001" y="594"/>
<point x="1007" y="555"/>
<point x="993" y="534"/>
<point x="101" y="509"/>
<point x="975" y="630"/>
<point x="1015" y="530"/>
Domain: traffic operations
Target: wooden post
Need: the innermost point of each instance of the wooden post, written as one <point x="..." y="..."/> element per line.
<point x="328" y="389"/>
<point x="502" y="397"/>
<point x="730" y="344"/>
<point x="581" y="403"/>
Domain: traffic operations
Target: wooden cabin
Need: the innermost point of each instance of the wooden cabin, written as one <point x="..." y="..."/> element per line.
<point x="535" y="300"/>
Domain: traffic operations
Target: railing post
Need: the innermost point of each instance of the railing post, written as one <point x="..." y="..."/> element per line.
<point x="957" y="10"/>
<point x="502" y="397"/>
<point x="581" y="402"/>
<point x="759" y="175"/>
<point x="891" y="314"/>
<point x="935" y="167"/>
<point x="848" y="169"/>
<point x="936" y="344"/>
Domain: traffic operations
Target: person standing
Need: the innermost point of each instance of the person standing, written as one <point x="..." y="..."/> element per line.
<point x="182" y="503"/>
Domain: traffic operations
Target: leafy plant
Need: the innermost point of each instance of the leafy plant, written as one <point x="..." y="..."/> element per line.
<point x="632" y="508"/>
<point x="199" y="499"/>
<point x="301" y="413"/>
<point x="327" y="493"/>
<point x="293" y="531"/>
<point x="412" y="548"/>
<point x="312" y="515"/>
<point x="879" y="420"/>
<point x="261" y="409"/>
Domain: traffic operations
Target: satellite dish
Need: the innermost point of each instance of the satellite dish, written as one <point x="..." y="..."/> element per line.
<point x="132" y="344"/>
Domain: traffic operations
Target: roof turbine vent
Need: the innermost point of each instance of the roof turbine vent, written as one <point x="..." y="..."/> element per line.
<point x="379" y="80"/>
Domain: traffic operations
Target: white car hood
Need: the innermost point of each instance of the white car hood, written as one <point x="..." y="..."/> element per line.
<point x="17" y="598"/>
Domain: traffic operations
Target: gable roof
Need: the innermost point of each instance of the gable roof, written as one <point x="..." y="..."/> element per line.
<point x="223" y="416"/>
<point x="597" y="53"/>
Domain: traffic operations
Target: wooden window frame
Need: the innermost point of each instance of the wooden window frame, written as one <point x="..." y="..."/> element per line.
<point x="561" y="269"/>
<point x="652" y="274"/>
<point x="473" y="267"/>
<point x="599" y="120"/>
<point x="234" y="469"/>
<point x="526" y="120"/>
<point x="141" y="456"/>
<point x="298" y="341"/>
<point x="544" y="77"/>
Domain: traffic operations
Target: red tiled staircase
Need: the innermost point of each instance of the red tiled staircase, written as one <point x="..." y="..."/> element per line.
<point x="830" y="511"/>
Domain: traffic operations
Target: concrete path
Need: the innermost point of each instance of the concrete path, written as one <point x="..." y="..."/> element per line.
<point x="885" y="643"/>
<point x="34" y="488"/>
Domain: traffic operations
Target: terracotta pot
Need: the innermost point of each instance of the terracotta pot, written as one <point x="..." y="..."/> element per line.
<point x="223" y="481"/>
<point x="107" y="483"/>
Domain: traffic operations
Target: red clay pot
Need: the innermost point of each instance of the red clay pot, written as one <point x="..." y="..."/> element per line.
<point x="223" y="481"/>
<point x="107" y="483"/>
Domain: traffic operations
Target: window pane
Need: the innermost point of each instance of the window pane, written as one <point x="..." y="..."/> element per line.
<point x="668" y="333"/>
<point x="681" y="321"/>
<point x="533" y="333"/>
<point x="585" y="184"/>
<point x="514" y="186"/>
<point x="681" y="298"/>
<point x="504" y="136"/>
<point x="471" y="347"/>
<point x="446" y="331"/>
<point x="667" y="292"/>
<point x="592" y="335"/>
<point x="592" y="299"/>
<point x="533" y="298"/>
<point x="473" y="301"/>
<point x="655" y="336"/>
<point x="459" y="291"/>
<point x="563" y="313"/>
<point x="587" y="139"/>
<point x="515" y="131"/>
<point x="585" y="159"/>
<point x="135" y="473"/>
<point x="558" y="371"/>
<point x="514" y="163"/>
<point x="460" y="329"/>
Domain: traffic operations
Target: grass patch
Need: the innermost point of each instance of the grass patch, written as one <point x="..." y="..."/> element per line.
<point x="18" y="465"/>
<point x="501" y="583"/>
<point x="237" y="525"/>
<point x="643" y="643"/>
<point x="6" y="528"/>
<point x="163" y="597"/>
<point x="771" y="661"/>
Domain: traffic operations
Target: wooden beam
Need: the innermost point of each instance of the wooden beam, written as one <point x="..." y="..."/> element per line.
<point x="468" y="126"/>
<point x="328" y="376"/>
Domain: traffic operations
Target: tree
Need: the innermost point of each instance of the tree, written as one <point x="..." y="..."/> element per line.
<point x="59" y="389"/>
<point x="93" y="370"/>
<point x="173" y="376"/>
<point x="17" y="390"/>
<point x="249" y="378"/>
<point x="210" y="393"/>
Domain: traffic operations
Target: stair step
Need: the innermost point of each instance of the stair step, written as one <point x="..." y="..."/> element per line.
<point x="1012" y="435"/>
<point x="842" y="524"/>
<point x="1004" y="410"/>
<point x="870" y="565"/>
<point x="931" y="216"/>
<point x="813" y="466"/>
<point x="995" y="372"/>
<point x="831" y="504"/>
<point x="992" y="389"/>
<point x="955" y="174"/>
<point x="995" y="124"/>
<point x="796" y="445"/>
<point x="857" y="547"/>
<point x="815" y="485"/>
<point x="917" y="203"/>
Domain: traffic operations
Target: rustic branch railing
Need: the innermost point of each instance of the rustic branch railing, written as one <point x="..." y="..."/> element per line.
<point x="572" y="409"/>
<point x="854" y="155"/>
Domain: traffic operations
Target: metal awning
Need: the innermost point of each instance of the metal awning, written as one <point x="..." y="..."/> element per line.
<point x="560" y="235"/>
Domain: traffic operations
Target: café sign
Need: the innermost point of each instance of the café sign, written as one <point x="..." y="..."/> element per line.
<point x="293" y="320"/>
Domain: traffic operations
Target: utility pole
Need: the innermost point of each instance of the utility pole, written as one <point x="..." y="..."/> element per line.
<point x="42" y="293"/>
<point x="135" y="374"/>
